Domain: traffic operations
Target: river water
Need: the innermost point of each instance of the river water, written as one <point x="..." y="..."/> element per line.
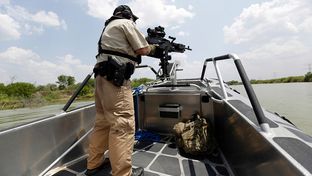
<point x="292" y="100"/>
<point x="11" y="118"/>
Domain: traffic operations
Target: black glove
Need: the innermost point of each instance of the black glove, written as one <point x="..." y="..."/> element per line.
<point x="156" y="51"/>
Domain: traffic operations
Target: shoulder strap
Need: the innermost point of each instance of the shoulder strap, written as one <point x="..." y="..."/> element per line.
<point x="106" y="23"/>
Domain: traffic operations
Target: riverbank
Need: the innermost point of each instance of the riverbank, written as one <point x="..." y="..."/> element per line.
<point x="39" y="100"/>
<point x="26" y="95"/>
<point x="291" y="79"/>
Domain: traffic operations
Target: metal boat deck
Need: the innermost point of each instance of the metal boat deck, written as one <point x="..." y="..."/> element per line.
<point x="158" y="158"/>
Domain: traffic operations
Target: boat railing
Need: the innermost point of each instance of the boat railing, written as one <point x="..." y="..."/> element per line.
<point x="247" y="85"/>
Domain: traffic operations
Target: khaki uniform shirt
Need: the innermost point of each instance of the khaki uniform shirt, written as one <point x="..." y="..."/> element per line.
<point x="123" y="36"/>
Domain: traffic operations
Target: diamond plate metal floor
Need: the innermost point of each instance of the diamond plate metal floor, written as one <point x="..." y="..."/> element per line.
<point x="159" y="158"/>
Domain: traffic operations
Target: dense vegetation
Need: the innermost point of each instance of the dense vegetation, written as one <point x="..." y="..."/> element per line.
<point x="306" y="78"/>
<point x="21" y="94"/>
<point x="138" y="82"/>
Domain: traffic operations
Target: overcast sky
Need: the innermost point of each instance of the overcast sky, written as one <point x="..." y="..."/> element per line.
<point x="40" y="40"/>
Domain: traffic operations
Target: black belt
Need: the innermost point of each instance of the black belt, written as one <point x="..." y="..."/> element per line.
<point x="116" y="53"/>
<point x="113" y="71"/>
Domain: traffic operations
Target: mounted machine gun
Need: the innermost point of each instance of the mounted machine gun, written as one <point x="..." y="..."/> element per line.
<point x="163" y="48"/>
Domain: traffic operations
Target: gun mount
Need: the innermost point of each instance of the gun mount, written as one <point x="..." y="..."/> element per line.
<point x="164" y="46"/>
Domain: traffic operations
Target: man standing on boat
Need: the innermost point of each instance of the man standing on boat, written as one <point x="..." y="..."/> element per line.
<point x="120" y="46"/>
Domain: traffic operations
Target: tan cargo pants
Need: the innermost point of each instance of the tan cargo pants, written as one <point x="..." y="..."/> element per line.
<point x="114" y="127"/>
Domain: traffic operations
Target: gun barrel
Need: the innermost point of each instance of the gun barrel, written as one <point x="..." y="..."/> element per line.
<point x="188" y="48"/>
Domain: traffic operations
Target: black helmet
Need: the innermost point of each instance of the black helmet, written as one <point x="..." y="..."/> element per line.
<point x="125" y="12"/>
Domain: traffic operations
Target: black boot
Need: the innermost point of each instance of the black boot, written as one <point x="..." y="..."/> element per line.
<point x="91" y="172"/>
<point x="138" y="171"/>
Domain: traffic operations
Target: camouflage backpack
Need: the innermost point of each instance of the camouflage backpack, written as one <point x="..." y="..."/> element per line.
<point x="195" y="136"/>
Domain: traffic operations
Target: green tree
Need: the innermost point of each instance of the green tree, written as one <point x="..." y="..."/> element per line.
<point x="308" y="77"/>
<point x="233" y="82"/>
<point x="88" y="88"/>
<point x="62" y="82"/>
<point x="51" y="87"/>
<point x="20" y="89"/>
<point x="2" y="88"/>
<point x="138" y="82"/>
<point x="40" y="88"/>
<point x="70" y="80"/>
<point x="65" y="81"/>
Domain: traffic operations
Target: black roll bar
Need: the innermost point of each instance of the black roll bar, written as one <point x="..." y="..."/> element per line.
<point x="74" y="96"/>
<point x="242" y="73"/>
<point x="223" y="57"/>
